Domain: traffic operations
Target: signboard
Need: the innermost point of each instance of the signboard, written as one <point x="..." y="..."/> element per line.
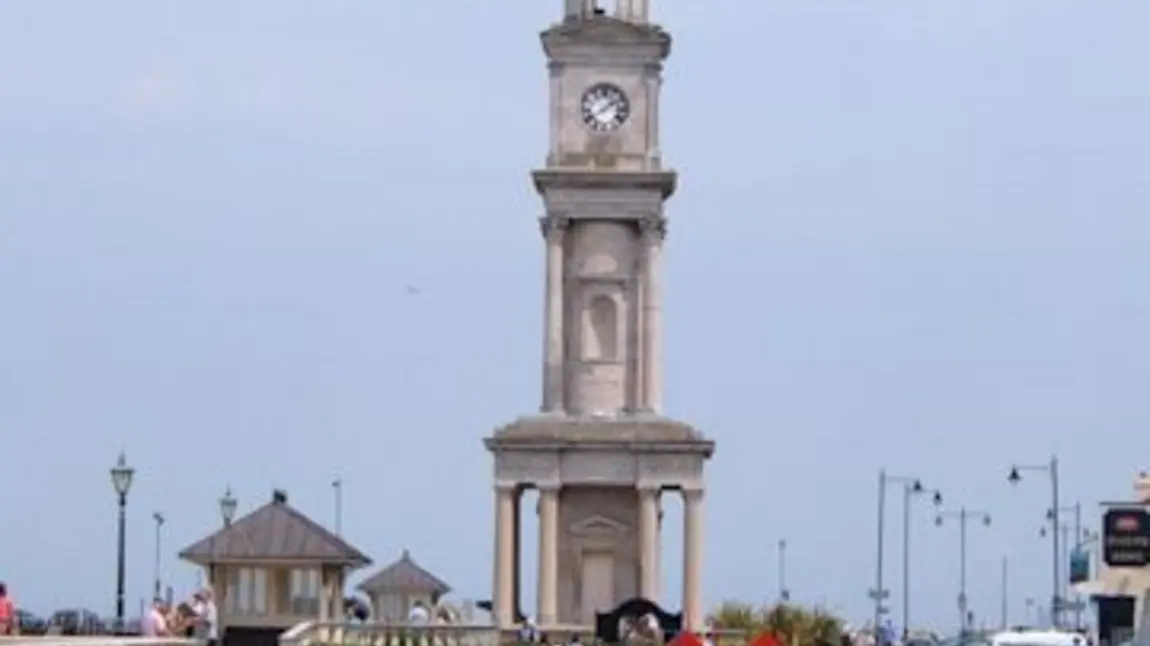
<point x="1079" y="566"/>
<point x="1126" y="537"/>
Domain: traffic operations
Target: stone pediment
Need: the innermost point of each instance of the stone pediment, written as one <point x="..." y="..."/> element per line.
<point x="598" y="526"/>
<point x="599" y="31"/>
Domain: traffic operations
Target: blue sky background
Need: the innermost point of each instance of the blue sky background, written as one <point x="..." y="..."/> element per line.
<point x="909" y="234"/>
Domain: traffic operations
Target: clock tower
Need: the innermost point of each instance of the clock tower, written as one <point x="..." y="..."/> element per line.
<point x="600" y="452"/>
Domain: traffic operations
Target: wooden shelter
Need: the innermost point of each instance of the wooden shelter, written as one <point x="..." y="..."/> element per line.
<point x="273" y="569"/>
<point x="394" y="589"/>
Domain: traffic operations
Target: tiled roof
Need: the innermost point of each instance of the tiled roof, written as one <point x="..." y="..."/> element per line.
<point x="274" y="532"/>
<point x="405" y="575"/>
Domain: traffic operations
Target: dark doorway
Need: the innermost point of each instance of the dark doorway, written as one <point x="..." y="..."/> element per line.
<point x="607" y="623"/>
<point x="1115" y="619"/>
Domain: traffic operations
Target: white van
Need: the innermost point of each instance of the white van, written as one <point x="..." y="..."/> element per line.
<point x="1039" y="638"/>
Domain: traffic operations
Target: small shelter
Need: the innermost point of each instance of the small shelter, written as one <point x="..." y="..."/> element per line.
<point x="274" y="568"/>
<point x="394" y="589"/>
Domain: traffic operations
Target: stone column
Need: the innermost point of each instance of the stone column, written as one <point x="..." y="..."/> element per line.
<point x="556" y="70"/>
<point x="504" y="592"/>
<point x="548" y="611"/>
<point x="649" y="543"/>
<point x="654" y="228"/>
<point x="659" y="562"/>
<point x="693" y="618"/>
<point x="554" y="230"/>
<point x="324" y="599"/>
<point x="654" y="85"/>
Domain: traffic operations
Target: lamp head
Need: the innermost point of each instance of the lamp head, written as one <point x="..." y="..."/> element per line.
<point x="986" y="519"/>
<point x="122" y="475"/>
<point x="916" y="487"/>
<point x="228" y="505"/>
<point x="1042" y="532"/>
<point x="938" y="520"/>
<point x="1015" y="477"/>
<point x="1049" y="514"/>
<point x="937" y="498"/>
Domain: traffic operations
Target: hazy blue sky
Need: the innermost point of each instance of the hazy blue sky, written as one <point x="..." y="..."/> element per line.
<point x="909" y="234"/>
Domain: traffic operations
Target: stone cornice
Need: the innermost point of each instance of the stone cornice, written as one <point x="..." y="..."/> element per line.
<point x="551" y="178"/>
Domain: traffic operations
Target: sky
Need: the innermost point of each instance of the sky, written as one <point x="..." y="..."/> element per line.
<point x="908" y="235"/>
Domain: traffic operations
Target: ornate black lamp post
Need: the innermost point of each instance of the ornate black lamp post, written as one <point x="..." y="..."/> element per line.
<point x="228" y="506"/>
<point x="121" y="482"/>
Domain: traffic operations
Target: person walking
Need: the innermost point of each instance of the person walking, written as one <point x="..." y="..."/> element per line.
<point x="207" y="619"/>
<point x="156" y="621"/>
<point x="9" y="624"/>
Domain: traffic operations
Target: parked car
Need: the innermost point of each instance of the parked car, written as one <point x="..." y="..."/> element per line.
<point x="76" y="621"/>
<point x="30" y="624"/>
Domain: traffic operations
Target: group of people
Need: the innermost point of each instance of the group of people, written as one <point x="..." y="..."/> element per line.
<point x="199" y="618"/>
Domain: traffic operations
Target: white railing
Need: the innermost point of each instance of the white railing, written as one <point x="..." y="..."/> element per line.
<point x="316" y="633"/>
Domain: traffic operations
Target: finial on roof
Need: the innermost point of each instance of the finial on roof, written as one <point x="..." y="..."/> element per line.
<point x="406" y="556"/>
<point x="279" y="496"/>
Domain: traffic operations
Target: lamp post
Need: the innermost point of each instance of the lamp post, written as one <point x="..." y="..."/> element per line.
<point x="963" y="515"/>
<point x="1005" y="583"/>
<point x="228" y="506"/>
<point x="784" y="593"/>
<point x="159" y="518"/>
<point x="1051" y="469"/>
<point x="911" y="487"/>
<point x="337" y="489"/>
<point x="121" y="483"/>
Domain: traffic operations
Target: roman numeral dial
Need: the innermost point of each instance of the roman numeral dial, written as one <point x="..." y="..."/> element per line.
<point x="605" y="107"/>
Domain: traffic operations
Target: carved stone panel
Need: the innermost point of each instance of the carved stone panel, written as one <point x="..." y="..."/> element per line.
<point x="598" y="468"/>
<point x="597" y="526"/>
<point x="524" y="467"/>
<point x="670" y="470"/>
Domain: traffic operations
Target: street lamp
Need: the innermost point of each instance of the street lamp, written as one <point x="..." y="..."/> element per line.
<point x="963" y="515"/>
<point x="784" y="593"/>
<point x="911" y="487"/>
<point x="121" y="483"/>
<point x="228" y="506"/>
<point x="159" y="518"/>
<point x="1051" y="468"/>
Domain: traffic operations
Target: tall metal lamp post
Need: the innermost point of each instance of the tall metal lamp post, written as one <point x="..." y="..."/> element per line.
<point x="911" y="487"/>
<point x="159" y="518"/>
<point x="784" y="593"/>
<point x="121" y="482"/>
<point x="1062" y="533"/>
<point x="962" y="515"/>
<point x="1051" y="468"/>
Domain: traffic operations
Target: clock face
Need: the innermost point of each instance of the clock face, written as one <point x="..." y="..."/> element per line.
<point x="605" y="107"/>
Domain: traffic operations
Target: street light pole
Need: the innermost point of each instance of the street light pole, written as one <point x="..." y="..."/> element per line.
<point x="879" y="593"/>
<point x="784" y="594"/>
<point x="337" y="488"/>
<point x="1052" y="469"/>
<point x="1005" y="593"/>
<point x="121" y="483"/>
<point x="159" y="518"/>
<point x="911" y="488"/>
<point x="963" y="515"/>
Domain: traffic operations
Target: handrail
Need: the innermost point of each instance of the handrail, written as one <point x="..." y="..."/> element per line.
<point x="315" y="633"/>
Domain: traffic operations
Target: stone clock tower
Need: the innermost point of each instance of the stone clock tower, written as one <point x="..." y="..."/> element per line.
<point x="599" y="452"/>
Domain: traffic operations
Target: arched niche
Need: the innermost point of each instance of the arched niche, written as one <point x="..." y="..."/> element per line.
<point x="601" y="328"/>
